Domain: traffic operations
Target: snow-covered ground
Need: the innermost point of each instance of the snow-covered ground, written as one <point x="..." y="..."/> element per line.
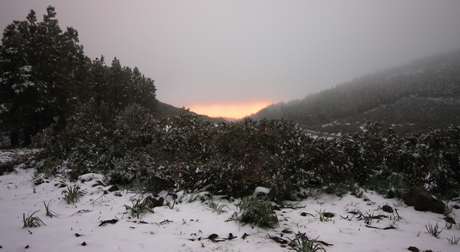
<point x="180" y="228"/>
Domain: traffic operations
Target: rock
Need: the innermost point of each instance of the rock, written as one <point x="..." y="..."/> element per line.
<point x="113" y="188"/>
<point x="387" y="209"/>
<point x="456" y="206"/>
<point x="77" y="235"/>
<point x="413" y="249"/>
<point x="450" y="220"/>
<point x="231" y="236"/>
<point x="303" y="214"/>
<point x="104" y="222"/>
<point x="213" y="237"/>
<point x="422" y="200"/>
<point x="27" y="246"/>
<point x="83" y="244"/>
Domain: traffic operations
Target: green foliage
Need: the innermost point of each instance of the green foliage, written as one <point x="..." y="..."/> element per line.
<point x="41" y="69"/>
<point x="72" y="194"/>
<point x="301" y="243"/>
<point x="139" y="207"/>
<point x="257" y="212"/>
<point x="31" y="221"/>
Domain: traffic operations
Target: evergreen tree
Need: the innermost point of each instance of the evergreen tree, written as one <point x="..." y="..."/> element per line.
<point x="41" y="68"/>
<point x="44" y="76"/>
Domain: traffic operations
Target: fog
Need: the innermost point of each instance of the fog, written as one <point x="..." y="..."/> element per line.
<point x="211" y="51"/>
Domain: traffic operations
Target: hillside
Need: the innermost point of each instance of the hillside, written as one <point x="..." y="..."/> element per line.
<point x="418" y="96"/>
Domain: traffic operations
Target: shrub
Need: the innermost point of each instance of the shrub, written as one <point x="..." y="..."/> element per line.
<point x="190" y="153"/>
<point x="257" y="212"/>
<point x="72" y="194"/>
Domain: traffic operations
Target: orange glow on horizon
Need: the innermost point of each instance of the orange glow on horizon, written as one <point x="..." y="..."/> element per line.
<point x="236" y="110"/>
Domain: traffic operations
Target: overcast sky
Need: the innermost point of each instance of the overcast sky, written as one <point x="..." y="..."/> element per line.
<point x="201" y="51"/>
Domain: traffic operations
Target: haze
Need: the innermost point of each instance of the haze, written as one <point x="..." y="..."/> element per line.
<point x="253" y="51"/>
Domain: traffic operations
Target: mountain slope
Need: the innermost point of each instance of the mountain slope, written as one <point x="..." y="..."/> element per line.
<point x="423" y="94"/>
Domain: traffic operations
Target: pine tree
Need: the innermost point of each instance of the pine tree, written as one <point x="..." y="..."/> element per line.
<point x="40" y="69"/>
<point x="45" y="77"/>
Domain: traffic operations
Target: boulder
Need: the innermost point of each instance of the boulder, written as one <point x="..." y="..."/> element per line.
<point x="422" y="200"/>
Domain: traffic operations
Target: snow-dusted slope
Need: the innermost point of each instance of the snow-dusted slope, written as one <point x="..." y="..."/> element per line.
<point x="180" y="228"/>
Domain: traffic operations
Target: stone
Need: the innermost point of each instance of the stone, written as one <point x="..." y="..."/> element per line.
<point x="422" y="200"/>
<point x="387" y="209"/>
<point x="413" y="249"/>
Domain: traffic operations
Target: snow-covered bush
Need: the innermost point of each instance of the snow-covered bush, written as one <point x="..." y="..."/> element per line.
<point x="257" y="212"/>
<point x="191" y="153"/>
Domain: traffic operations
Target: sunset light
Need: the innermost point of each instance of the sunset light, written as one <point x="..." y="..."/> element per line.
<point x="236" y="110"/>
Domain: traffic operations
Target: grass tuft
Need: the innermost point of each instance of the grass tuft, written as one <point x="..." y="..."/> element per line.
<point x="257" y="212"/>
<point x="434" y="230"/>
<point x="50" y="213"/>
<point x="31" y="221"/>
<point x="139" y="207"/>
<point x="72" y="194"/>
<point x="453" y="240"/>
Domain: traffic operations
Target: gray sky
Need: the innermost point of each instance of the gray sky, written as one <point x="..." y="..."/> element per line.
<point x="201" y="51"/>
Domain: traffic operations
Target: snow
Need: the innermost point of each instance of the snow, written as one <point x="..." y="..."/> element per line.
<point x="174" y="229"/>
<point x="11" y="155"/>
<point x="91" y="176"/>
<point x="261" y="191"/>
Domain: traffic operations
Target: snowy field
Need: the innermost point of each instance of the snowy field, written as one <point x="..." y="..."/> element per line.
<point x="187" y="225"/>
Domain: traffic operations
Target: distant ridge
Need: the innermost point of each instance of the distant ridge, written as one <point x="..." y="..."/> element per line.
<point x="418" y="96"/>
